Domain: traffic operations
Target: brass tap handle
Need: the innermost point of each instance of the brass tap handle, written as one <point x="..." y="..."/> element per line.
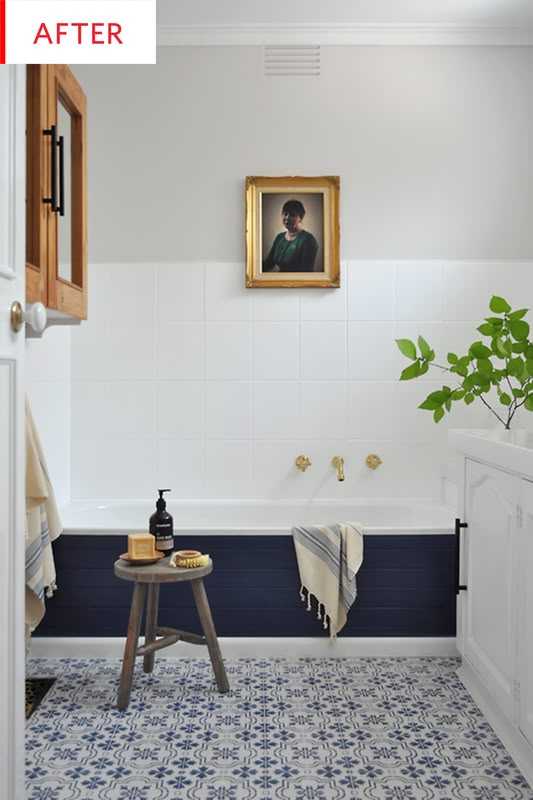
<point x="301" y="463"/>
<point x="338" y="463"/>
<point x="373" y="461"/>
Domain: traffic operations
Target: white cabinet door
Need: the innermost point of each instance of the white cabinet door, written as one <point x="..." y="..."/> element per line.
<point x="525" y="640"/>
<point x="491" y="498"/>
<point x="12" y="516"/>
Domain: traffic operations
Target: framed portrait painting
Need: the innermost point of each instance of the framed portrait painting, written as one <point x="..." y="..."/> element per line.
<point x="292" y="232"/>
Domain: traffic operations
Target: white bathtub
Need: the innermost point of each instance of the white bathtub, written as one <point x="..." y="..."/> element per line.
<point x="257" y="517"/>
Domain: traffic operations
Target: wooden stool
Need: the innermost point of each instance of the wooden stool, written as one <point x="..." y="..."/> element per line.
<point x="147" y="581"/>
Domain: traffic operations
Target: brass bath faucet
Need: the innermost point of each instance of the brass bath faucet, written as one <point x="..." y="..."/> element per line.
<point x="338" y="463"/>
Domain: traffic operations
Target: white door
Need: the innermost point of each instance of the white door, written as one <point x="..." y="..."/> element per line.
<point x="12" y="451"/>
<point x="525" y="640"/>
<point x="491" y="498"/>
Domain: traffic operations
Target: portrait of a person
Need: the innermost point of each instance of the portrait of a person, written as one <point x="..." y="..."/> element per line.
<point x="294" y="249"/>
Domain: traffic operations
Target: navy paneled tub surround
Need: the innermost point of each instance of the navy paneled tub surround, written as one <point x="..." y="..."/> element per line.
<point x="405" y="587"/>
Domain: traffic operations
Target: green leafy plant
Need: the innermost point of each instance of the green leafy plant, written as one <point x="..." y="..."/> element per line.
<point x="503" y="364"/>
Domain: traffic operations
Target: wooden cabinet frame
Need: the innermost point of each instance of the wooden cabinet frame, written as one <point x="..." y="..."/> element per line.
<point x="48" y="85"/>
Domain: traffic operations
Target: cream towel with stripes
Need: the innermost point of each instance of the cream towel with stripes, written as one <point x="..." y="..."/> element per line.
<point x="42" y="527"/>
<point x="328" y="559"/>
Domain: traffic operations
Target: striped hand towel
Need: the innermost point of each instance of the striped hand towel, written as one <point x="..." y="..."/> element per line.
<point x="328" y="559"/>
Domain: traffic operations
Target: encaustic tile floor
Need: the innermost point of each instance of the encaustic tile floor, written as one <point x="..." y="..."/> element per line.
<point x="382" y="729"/>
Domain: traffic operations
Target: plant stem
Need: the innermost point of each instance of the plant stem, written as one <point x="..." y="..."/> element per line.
<point x="505" y="424"/>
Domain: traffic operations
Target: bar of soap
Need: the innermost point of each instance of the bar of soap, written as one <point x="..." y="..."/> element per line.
<point x="141" y="545"/>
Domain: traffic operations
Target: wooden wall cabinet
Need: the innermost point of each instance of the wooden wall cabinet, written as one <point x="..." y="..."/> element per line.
<point x="56" y="188"/>
<point x="495" y="603"/>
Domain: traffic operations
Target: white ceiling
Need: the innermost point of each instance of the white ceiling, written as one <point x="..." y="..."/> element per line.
<point x="345" y="21"/>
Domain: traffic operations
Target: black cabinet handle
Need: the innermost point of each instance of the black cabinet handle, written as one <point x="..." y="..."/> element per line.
<point x="459" y="587"/>
<point x="61" y="206"/>
<point x="55" y="145"/>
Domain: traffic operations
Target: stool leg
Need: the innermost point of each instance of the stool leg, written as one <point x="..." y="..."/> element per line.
<point x="152" y="605"/>
<point x="206" y="620"/>
<point x="128" y="662"/>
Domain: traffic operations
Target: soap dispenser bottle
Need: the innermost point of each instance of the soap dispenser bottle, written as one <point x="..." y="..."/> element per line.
<point x="162" y="526"/>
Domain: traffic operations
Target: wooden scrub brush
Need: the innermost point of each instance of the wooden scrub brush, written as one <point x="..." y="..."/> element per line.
<point x="189" y="558"/>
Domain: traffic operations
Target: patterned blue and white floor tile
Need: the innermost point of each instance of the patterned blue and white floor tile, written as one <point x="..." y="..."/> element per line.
<point x="304" y="729"/>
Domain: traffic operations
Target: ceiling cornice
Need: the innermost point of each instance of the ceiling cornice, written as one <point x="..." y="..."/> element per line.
<point x="343" y="34"/>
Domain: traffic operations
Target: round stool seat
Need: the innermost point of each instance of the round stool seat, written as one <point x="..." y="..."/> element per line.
<point x="159" y="572"/>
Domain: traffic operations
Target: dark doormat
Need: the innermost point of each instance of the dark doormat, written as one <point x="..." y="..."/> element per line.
<point x="36" y="688"/>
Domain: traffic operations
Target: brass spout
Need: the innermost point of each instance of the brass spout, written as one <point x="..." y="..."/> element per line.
<point x="338" y="463"/>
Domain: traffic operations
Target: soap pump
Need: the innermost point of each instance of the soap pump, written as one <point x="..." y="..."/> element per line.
<point x="162" y="526"/>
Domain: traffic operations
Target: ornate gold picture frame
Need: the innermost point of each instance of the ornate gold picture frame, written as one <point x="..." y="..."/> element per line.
<point x="292" y="232"/>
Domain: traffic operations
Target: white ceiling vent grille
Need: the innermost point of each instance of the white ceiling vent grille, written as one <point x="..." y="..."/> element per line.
<point x="283" y="60"/>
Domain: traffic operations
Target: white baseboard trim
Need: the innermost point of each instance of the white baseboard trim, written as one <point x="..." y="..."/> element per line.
<point x="352" y="647"/>
<point x="516" y="745"/>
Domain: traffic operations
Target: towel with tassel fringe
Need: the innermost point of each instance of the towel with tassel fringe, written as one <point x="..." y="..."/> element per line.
<point x="329" y="557"/>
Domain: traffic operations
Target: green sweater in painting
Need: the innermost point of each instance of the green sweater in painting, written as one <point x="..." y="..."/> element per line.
<point x="297" y="255"/>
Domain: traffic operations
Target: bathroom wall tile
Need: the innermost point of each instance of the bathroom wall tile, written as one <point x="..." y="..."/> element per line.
<point x="180" y="409"/>
<point x="130" y="351"/>
<point x="372" y="410"/>
<point x="226" y="296"/>
<point x="111" y="469"/>
<point x="227" y="346"/>
<point x="322" y="350"/>
<point x="89" y="351"/>
<point x="275" y="477"/>
<point x="443" y="337"/>
<point x="370" y="290"/>
<point x="419" y="424"/>
<point x="180" y="467"/>
<point x="100" y="298"/>
<point x="180" y="291"/>
<point x="180" y="350"/>
<point x="323" y="409"/>
<point x="324" y="304"/>
<point x="50" y="404"/>
<point x="469" y="285"/>
<point x="274" y="409"/>
<point x="418" y="290"/>
<point x="113" y="409"/>
<point x="274" y="351"/>
<point x="227" y="410"/>
<point x="417" y="467"/>
<point x="228" y="468"/>
<point x="372" y="352"/>
<point x="133" y="287"/>
<point x="48" y="357"/>
<point x="274" y="304"/>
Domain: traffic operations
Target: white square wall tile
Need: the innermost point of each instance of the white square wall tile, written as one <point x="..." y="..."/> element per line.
<point x="372" y="352"/>
<point x="370" y="290"/>
<point x="48" y="357"/>
<point x="418" y="291"/>
<point x="226" y="295"/>
<point x="372" y="410"/>
<point x="180" y="350"/>
<point x="275" y="475"/>
<point x="323" y="409"/>
<point x="180" y="410"/>
<point x="228" y="468"/>
<point x="130" y="350"/>
<point x="324" y="304"/>
<point x="322" y="350"/>
<point x="468" y="286"/>
<point x="113" y="409"/>
<point x="274" y="304"/>
<point x="180" y="466"/>
<point x="227" y="410"/>
<point x="274" y="351"/>
<point x="180" y="291"/>
<point x="100" y="300"/>
<point x="274" y="409"/>
<point x="227" y="350"/>
<point x="110" y="469"/>
<point x="132" y="288"/>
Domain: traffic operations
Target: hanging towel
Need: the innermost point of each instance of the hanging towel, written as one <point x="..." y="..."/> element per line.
<point x="328" y="559"/>
<point x="42" y="527"/>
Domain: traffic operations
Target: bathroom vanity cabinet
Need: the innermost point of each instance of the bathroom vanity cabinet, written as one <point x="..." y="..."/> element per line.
<point x="495" y="600"/>
<point x="56" y="227"/>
